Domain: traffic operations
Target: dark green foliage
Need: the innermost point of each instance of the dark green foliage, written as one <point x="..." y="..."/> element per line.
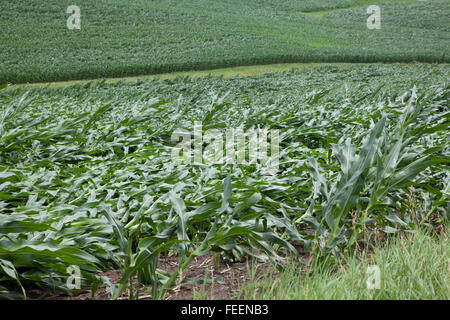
<point x="123" y="38"/>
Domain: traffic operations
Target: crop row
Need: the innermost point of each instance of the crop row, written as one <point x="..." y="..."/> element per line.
<point x="87" y="177"/>
<point x="125" y="38"/>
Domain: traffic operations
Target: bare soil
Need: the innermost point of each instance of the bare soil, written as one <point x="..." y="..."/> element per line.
<point x="229" y="277"/>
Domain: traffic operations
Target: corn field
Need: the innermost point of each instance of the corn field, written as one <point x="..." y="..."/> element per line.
<point x="182" y="35"/>
<point x="87" y="179"/>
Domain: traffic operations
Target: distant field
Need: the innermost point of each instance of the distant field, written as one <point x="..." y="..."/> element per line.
<point x="121" y="38"/>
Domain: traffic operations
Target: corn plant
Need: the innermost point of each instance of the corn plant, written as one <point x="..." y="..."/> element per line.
<point x="87" y="178"/>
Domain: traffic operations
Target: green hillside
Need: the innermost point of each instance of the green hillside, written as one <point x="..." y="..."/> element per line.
<point x="124" y="38"/>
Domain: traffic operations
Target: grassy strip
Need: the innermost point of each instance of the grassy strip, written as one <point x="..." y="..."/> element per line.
<point x="412" y="266"/>
<point x="242" y="71"/>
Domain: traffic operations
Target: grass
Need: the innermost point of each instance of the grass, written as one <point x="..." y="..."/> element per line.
<point x="171" y="36"/>
<point x="243" y="71"/>
<point x="412" y="266"/>
<point x="87" y="177"/>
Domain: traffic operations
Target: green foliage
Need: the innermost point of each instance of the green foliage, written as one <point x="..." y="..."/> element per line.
<point x="413" y="266"/>
<point x="87" y="179"/>
<point x="174" y="35"/>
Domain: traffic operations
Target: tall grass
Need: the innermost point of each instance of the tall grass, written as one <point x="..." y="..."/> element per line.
<point x="412" y="266"/>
